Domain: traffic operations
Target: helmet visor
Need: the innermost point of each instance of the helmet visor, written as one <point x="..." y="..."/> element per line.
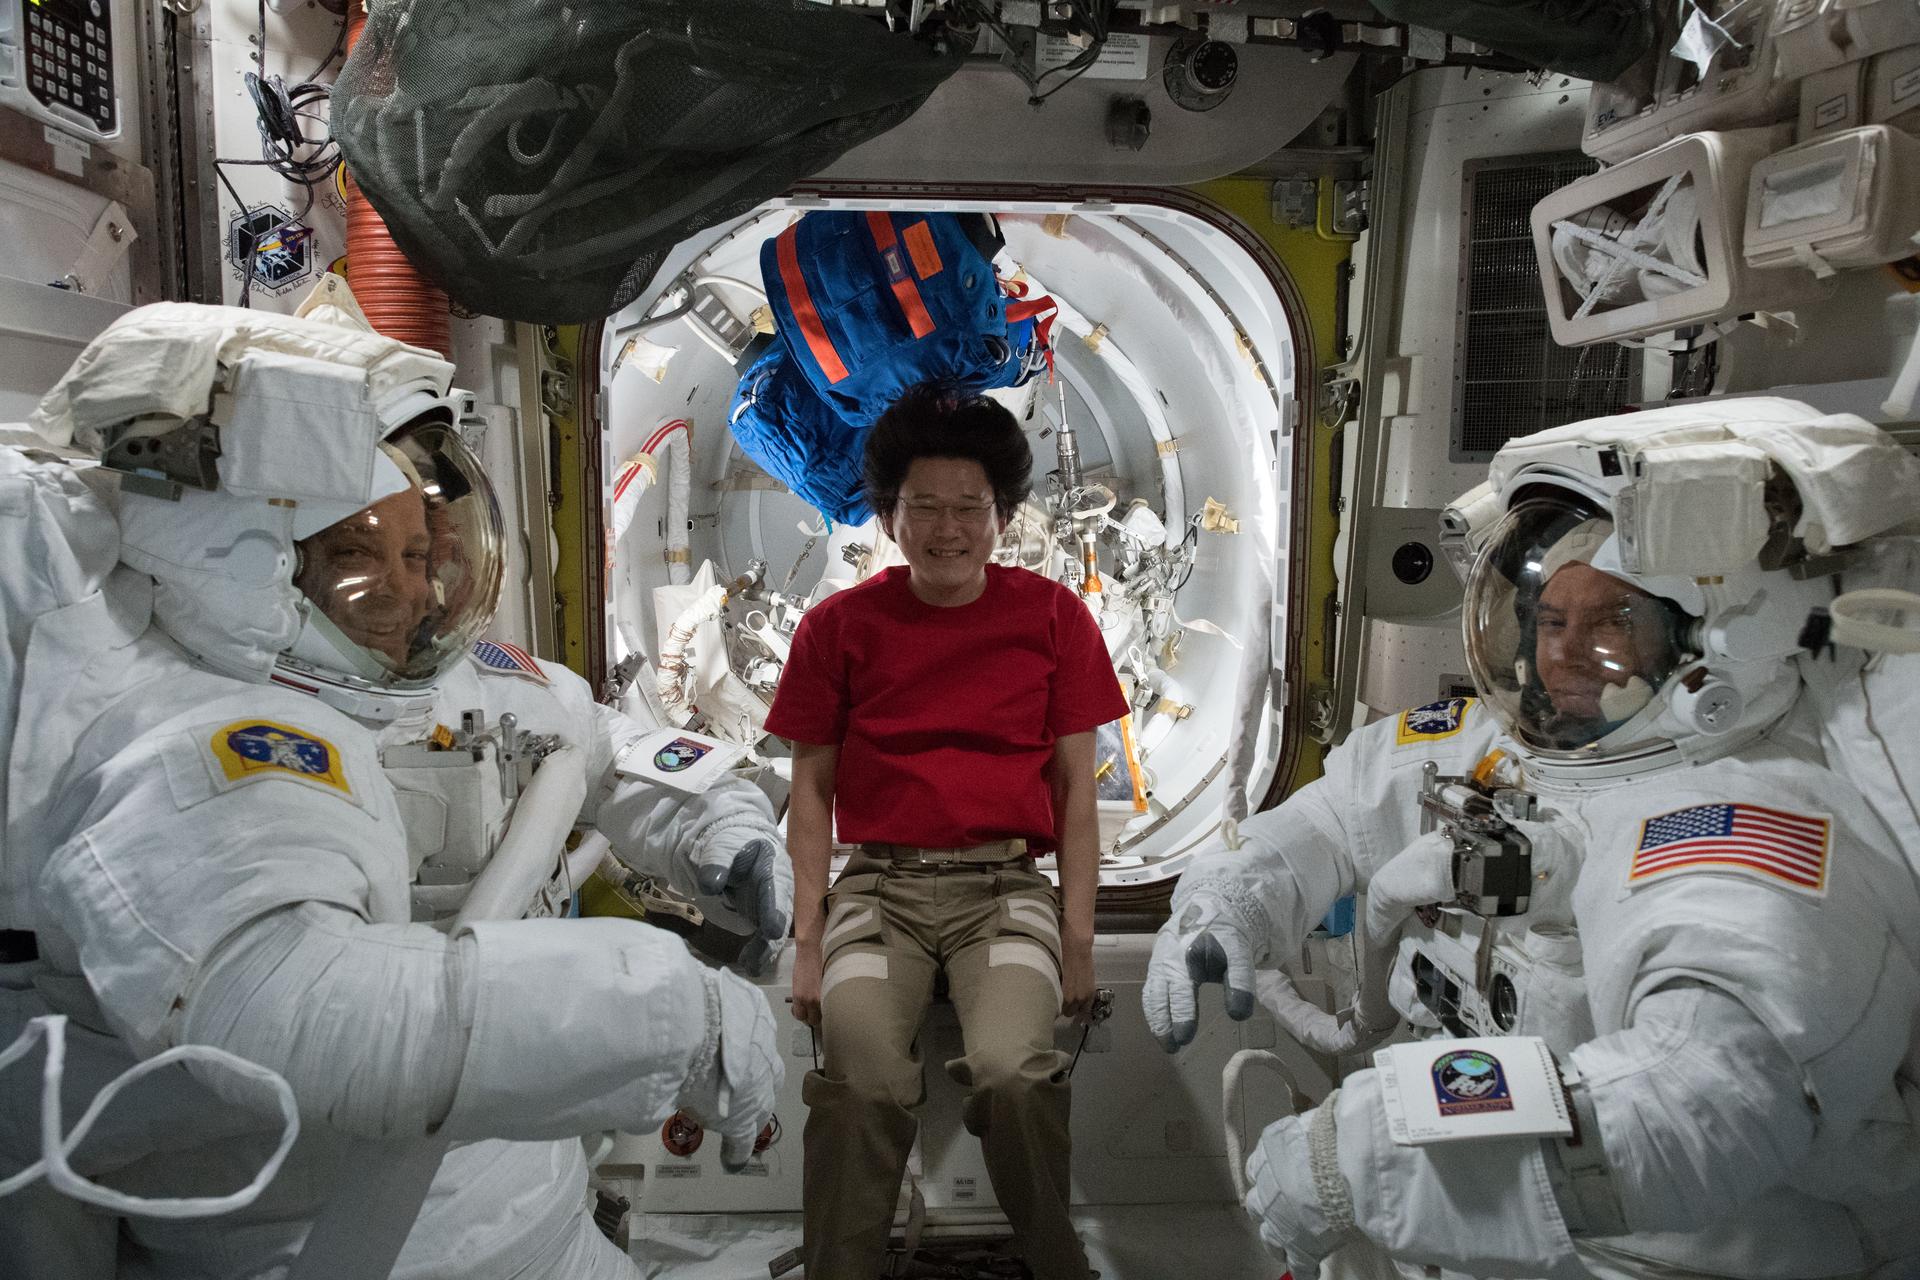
<point x="1563" y="649"/>
<point x="410" y="581"/>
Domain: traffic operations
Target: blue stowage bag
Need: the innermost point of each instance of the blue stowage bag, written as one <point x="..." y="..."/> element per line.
<point x="871" y="303"/>
<point x="795" y="438"/>
<point x="868" y="304"/>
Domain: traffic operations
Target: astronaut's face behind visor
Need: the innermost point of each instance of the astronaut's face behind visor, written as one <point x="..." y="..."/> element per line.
<point x="400" y="588"/>
<point x="1564" y="649"/>
<point x="371" y="574"/>
<point x="1593" y="635"/>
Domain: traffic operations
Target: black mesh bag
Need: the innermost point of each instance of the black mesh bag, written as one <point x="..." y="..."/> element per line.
<point x="538" y="159"/>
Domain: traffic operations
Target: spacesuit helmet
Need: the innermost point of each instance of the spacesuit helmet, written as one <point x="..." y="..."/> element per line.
<point x="393" y="593"/>
<point x="1637" y="586"/>
<point x="259" y="458"/>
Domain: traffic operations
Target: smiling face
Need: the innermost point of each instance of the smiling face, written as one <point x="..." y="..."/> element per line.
<point x="370" y="574"/>
<point x="1592" y="632"/>
<point x="946" y="526"/>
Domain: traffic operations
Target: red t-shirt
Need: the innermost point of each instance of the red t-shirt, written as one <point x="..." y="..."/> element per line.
<point x="946" y="717"/>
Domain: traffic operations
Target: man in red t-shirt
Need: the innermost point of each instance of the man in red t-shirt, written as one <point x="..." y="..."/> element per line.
<point x="943" y="716"/>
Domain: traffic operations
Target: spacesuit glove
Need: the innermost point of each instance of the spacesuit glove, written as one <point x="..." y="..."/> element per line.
<point x="1365" y="1023"/>
<point x="735" y="1094"/>
<point x="747" y="870"/>
<point x="1208" y="939"/>
<point x="1485" y="1207"/>
<point x="1297" y="1195"/>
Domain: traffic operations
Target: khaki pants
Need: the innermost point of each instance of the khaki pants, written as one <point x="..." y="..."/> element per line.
<point x="890" y="929"/>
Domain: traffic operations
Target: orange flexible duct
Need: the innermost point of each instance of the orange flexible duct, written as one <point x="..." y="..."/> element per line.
<point x="398" y="300"/>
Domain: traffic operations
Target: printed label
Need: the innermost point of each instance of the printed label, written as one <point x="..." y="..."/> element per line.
<point x="70" y="154"/>
<point x="1123" y="57"/>
<point x="67" y="142"/>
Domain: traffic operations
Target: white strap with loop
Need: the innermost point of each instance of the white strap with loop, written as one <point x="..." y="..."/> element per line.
<point x="1855" y="626"/>
<point x="55" y="1148"/>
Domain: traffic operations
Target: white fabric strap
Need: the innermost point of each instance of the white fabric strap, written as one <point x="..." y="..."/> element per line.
<point x="1323" y="1153"/>
<point x="1577" y="1168"/>
<point x="55" y="1148"/>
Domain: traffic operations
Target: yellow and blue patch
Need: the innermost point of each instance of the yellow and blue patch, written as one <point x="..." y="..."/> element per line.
<point x="1434" y="722"/>
<point x="250" y="750"/>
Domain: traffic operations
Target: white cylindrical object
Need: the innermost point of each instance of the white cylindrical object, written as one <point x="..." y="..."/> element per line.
<point x="678" y="449"/>
<point x="530" y="850"/>
<point x="635" y="477"/>
<point x="583" y="861"/>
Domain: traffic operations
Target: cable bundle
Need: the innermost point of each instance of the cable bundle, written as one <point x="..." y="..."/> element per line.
<point x="1090" y="18"/>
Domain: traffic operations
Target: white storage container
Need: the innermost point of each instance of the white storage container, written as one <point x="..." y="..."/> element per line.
<point x="1653" y="243"/>
<point x="1813" y="35"/>
<point x="1805" y="38"/>
<point x="1832" y="100"/>
<point x="1893" y="89"/>
<point x="1874" y="26"/>
<point x="1850" y="199"/>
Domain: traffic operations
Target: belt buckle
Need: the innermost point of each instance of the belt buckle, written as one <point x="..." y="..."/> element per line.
<point x="951" y="858"/>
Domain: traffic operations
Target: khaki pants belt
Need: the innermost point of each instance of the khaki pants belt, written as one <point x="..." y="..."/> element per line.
<point x="979" y="855"/>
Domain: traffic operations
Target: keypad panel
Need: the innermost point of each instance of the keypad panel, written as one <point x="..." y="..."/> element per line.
<point x="69" y="50"/>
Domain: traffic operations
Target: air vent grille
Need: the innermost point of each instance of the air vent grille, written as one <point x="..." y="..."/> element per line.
<point x="1511" y="378"/>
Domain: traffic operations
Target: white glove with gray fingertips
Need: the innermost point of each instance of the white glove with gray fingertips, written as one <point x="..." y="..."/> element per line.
<point x="736" y="1096"/>
<point x="1205" y="941"/>
<point x="754" y="878"/>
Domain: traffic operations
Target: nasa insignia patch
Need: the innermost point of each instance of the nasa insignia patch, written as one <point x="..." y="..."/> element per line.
<point x="1470" y="1082"/>
<point x="1433" y="722"/>
<point x="249" y="750"/>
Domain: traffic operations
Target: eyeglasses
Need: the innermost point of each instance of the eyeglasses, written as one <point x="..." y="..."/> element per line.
<point x="927" y="514"/>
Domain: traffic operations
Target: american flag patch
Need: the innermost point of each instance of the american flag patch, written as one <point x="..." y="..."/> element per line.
<point x="511" y="659"/>
<point x="1745" y="839"/>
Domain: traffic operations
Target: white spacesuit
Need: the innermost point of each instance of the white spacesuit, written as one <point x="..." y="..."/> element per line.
<point x="717" y="845"/>
<point x="1638" y="857"/>
<point x="198" y="850"/>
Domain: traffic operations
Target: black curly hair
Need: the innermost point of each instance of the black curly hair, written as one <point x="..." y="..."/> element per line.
<point x="939" y="420"/>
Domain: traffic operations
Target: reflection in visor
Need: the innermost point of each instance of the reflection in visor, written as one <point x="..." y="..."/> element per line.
<point x="1601" y="648"/>
<point x="370" y="574"/>
<point x="413" y="579"/>
<point x="1564" y="652"/>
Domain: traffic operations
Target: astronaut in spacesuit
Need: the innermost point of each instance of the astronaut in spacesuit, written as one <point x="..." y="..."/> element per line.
<point x="1634" y="858"/>
<point x="202" y="846"/>
<point x="716" y="843"/>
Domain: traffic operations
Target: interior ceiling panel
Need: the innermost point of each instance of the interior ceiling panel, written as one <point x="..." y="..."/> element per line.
<point x="978" y="127"/>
